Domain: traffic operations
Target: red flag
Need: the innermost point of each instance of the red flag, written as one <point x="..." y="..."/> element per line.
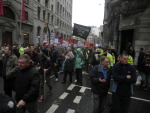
<point x="1" y="8"/>
<point x="23" y="10"/>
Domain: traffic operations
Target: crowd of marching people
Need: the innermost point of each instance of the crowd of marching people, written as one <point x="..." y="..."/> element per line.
<point x="25" y="69"/>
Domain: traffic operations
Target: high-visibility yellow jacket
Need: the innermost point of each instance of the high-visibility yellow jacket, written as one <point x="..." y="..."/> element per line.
<point x="130" y="60"/>
<point x="113" y="59"/>
<point x="21" y="50"/>
<point x="110" y="59"/>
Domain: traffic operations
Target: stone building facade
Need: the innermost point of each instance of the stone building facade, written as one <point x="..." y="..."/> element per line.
<point x="56" y="13"/>
<point x="127" y="21"/>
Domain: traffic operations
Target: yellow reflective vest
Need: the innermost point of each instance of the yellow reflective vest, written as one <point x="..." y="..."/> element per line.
<point x="130" y="60"/>
<point x="110" y="59"/>
<point x="21" y="50"/>
<point x="113" y="59"/>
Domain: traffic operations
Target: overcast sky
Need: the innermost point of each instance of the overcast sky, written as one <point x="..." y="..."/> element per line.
<point x="88" y="12"/>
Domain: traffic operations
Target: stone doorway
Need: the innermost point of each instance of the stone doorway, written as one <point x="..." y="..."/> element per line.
<point x="126" y="37"/>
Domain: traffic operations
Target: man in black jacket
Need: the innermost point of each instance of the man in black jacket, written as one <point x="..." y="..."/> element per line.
<point x="100" y="83"/>
<point x="124" y="76"/>
<point x="26" y="86"/>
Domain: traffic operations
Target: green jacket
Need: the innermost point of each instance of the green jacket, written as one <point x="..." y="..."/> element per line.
<point x="79" y="59"/>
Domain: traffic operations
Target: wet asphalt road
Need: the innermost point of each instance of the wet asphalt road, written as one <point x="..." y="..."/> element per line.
<point x="79" y="98"/>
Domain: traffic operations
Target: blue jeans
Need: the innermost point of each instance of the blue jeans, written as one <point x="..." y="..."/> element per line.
<point x="146" y="78"/>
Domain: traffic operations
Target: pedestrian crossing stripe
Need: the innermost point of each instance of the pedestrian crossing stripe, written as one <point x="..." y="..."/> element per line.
<point x="52" y="109"/>
<point x="77" y="99"/>
<point x="71" y="87"/>
<point x="63" y="96"/>
<point x="82" y="90"/>
<point x="71" y="111"/>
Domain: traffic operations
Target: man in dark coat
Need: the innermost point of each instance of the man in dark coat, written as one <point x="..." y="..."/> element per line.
<point x="124" y="76"/>
<point x="10" y="61"/>
<point x="26" y="86"/>
<point x="100" y="83"/>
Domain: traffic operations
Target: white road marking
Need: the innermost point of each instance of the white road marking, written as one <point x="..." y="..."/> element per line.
<point x="52" y="76"/>
<point x="136" y="98"/>
<point x="77" y="99"/>
<point x="63" y="96"/>
<point x="82" y="90"/>
<point x="52" y="109"/>
<point x="70" y="111"/>
<point x="71" y="87"/>
<point x="145" y="100"/>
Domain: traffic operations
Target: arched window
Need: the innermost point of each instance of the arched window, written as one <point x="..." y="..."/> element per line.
<point x="39" y="12"/>
<point x="44" y="12"/>
<point x="8" y="13"/>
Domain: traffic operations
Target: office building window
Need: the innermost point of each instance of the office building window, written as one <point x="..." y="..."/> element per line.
<point x="27" y="2"/>
<point x="52" y="19"/>
<point x="26" y="16"/>
<point x="58" y="7"/>
<point x="43" y="15"/>
<point x="52" y="8"/>
<point x="46" y="3"/>
<point x="39" y="12"/>
<point x="8" y="13"/>
<point x="38" y="31"/>
<point x="48" y="15"/>
<point x="63" y="11"/>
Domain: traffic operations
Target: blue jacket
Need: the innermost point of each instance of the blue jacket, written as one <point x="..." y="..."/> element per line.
<point x="121" y="85"/>
<point x="99" y="88"/>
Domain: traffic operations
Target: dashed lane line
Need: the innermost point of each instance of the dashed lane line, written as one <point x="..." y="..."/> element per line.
<point x="52" y="109"/>
<point x="136" y="98"/>
<point x="71" y="87"/>
<point x="77" y="99"/>
<point x="64" y="95"/>
<point x="82" y="90"/>
<point x="70" y="111"/>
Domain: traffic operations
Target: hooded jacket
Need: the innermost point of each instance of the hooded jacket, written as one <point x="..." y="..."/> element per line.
<point x="79" y="59"/>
